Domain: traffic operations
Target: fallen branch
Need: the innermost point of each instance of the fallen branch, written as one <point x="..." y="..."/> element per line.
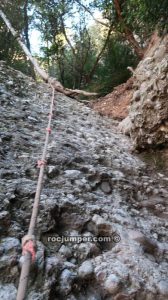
<point x="43" y="74"/>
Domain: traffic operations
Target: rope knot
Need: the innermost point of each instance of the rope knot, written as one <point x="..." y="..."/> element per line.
<point x="49" y="130"/>
<point x="28" y="245"/>
<point x="41" y="163"/>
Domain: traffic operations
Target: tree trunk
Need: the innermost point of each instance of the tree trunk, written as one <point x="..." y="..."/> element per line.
<point x="26" y="35"/>
<point x="66" y="37"/>
<point x="55" y="83"/>
<point x="128" y="33"/>
<point x="26" y="25"/>
<point x="90" y="76"/>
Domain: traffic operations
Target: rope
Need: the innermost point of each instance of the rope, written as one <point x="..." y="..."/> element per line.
<point x="28" y="241"/>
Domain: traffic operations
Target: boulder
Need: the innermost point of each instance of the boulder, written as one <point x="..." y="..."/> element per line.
<point x="148" y="113"/>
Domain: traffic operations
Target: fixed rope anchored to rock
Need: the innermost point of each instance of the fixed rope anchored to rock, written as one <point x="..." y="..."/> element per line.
<point x="29" y="241"/>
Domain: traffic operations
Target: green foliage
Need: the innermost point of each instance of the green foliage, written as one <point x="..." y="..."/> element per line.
<point x="113" y="68"/>
<point x="142" y="16"/>
<point x="10" y="51"/>
<point x="71" y="49"/>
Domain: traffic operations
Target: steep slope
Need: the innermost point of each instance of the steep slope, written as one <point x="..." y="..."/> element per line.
<point x="116" y="104"/>
<point x="149" y="107"/>
<point x="95" y="191"/>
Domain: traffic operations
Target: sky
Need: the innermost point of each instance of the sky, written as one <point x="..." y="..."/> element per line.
<point x="35" y="41"/>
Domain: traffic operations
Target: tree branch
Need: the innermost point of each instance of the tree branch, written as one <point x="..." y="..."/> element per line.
<point x="128" y="33"/>
<point x="100" y="55"/>
<point x="66" y="37"/>
<point x="43" y="74"/>
<point x="88" y="10"/>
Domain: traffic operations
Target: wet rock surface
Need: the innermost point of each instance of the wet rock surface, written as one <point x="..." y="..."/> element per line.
<point x="102" y="223"/>
<point x="149" y="108"/>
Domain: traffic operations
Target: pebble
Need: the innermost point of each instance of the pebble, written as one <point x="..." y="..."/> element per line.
<point x="66" y="279"/>
<point x="112" y="284"/>
<point x="65" y="251"/>
<point x="163" y="288"/>
<point x="73" y="174"/>
<point x="106" y="187"/>
<point x="100" y="226"/>
<point x="85" y="270"/>
<point x="149" y="245"/>
<point x="7" y="292"/>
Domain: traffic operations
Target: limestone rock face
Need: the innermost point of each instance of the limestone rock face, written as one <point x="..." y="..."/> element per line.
<point x="149" y="108"/>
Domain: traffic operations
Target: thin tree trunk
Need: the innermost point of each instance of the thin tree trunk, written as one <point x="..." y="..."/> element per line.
<point x="90" y="76"/>
<point x="26" y="25"/>
<point x="128" y="33"/>
<point x="66" y="37"/>
<point x="26" y="34"/>
<point x="57" y="85"/>
<point x="48" y="58"/>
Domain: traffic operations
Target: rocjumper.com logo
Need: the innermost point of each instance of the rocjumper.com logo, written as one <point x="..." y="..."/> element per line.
<point x="114" y="238"/>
